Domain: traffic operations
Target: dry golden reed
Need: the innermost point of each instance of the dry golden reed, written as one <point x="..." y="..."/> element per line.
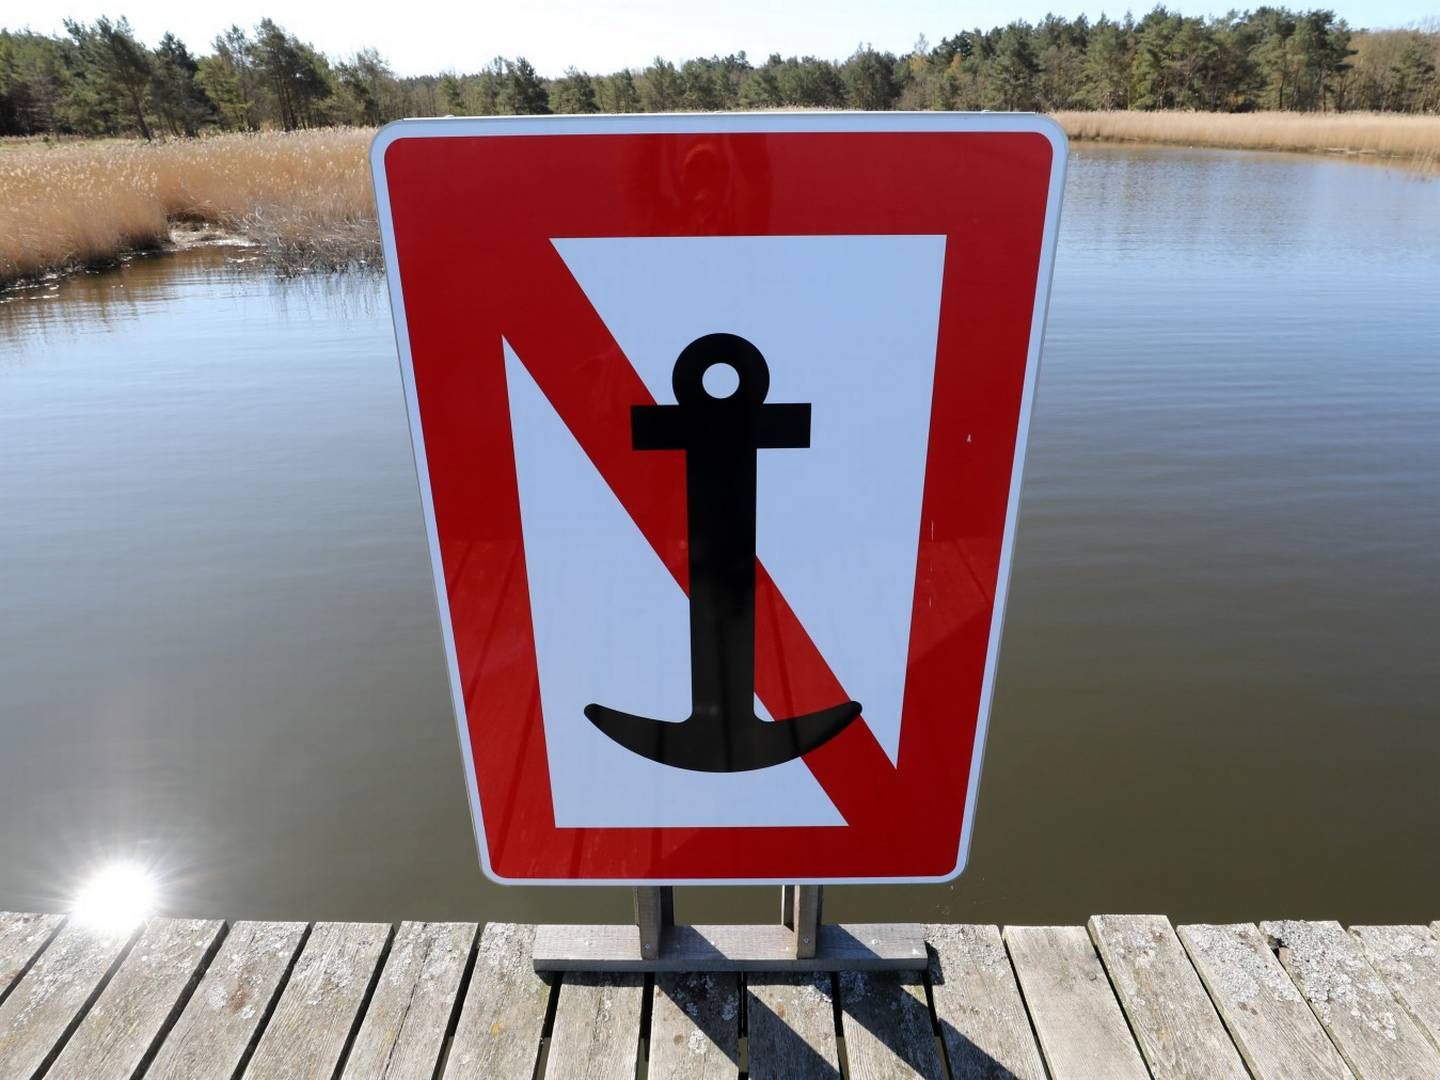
<point x="305" y="196"/>
<point x="1382" y="134"/>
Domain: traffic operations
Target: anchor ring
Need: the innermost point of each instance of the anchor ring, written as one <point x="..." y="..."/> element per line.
<point x="712" y="350"/>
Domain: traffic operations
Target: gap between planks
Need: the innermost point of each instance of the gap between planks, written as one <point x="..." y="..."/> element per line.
<point x="58" y="989"/>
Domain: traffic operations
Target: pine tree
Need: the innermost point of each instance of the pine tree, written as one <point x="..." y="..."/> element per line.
<point x="1013" y="71"/>
<point x="869" y="78"/>
<point x="452" y="95"/>
<point x="1104" y="72"/>
<point x="368" y="88"/>
<point x="116" y="68"/>
<point x="575" y="93"/>
<point x="660" y="87"/>
<point x="178" y="96"/>
<point x="702" y="86"/>
<point x="229" y="79"/>
<point x="618" y="93"/>
<point x="522" y="93"/>
<point x="488" y="86"/>
<point x="1413" y="75"/>
<point x="297" y="77"/>
<point x="810" y="82"/>
<point x="760" y="90"/>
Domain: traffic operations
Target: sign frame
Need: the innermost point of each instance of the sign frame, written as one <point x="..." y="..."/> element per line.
<point x="723" y="124"/>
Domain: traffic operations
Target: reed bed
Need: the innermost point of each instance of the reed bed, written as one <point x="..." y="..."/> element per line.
<point x="1388" y="135"/>
<point x="305" y="197"/>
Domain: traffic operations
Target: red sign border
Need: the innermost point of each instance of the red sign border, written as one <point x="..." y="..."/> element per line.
<point x="781" y="854"/>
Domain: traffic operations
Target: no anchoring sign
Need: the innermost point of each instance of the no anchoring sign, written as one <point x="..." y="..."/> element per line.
<point x="719" y="422"/>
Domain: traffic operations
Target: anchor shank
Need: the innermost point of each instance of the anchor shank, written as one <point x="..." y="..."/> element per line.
<point x="722" y="577"/>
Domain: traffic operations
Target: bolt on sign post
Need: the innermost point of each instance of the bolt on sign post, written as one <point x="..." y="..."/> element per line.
<point x="719" y="423"/>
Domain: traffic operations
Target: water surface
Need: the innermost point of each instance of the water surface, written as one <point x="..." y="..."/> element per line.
<point x="1218" y="695"/>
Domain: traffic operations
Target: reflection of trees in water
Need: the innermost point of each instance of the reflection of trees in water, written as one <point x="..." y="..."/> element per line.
<point x="86" y="300"/>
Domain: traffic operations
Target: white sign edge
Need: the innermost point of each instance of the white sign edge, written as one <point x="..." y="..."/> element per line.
<point x="726" y="123"/>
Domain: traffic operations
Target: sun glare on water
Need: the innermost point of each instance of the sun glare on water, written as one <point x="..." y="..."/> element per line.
<point x="118" y="898"/>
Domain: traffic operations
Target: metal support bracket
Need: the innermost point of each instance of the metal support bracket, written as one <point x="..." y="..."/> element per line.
<point x="798" y="942"/>
<point x="654" y="912"/>
<point x="800" y="913"/>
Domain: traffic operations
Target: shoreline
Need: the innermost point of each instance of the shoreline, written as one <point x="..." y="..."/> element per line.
<point x="1406" y="139"/>
<point x="1341" y="152"/>
<point x="304" y="199"/>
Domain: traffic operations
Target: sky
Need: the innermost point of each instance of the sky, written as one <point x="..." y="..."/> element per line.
<point x="426" y="36"/>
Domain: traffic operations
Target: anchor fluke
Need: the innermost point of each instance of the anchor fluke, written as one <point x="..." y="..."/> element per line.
<point x="715" y="744"/>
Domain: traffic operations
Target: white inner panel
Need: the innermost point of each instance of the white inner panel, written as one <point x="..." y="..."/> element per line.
<point x="849" y="324"/>
<point x="611" y="626"/>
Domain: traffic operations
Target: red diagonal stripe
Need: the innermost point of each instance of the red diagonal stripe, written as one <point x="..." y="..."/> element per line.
<point x="588" y="380"/>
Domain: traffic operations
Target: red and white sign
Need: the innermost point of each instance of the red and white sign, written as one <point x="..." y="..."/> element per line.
<point x="545" y="274"/>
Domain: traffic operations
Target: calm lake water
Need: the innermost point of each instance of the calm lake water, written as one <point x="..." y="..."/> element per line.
<point x="1219" y="694"/>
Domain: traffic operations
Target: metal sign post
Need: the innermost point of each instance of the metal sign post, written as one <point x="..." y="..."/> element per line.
<point x="800" y="911"/>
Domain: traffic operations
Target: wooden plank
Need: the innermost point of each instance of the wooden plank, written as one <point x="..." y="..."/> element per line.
<point x="1081" y="1029"/>
<point x="695" y="1027"/>
<point x="597" y="1027"/>
<point x="885" y="1019"/>
<point x="140" y="1001"/>
<point x="317" y="1009"/>
<point x="224" y="1015"/>
<point x="1408" y="959"/>
<point x="1272" y="1027"/>
<point x="790" y="1020"/>
<point x="1368" y="1026"/>
<point x="50" y="1000"/>
<point x="977" y="1002"/>
<point x="404" y="1027"/>
<point x="21" y="939"/>
<point x="843" y="947"/>
<point x="504" y="1010"/>
<point x="1172" y="1017"/>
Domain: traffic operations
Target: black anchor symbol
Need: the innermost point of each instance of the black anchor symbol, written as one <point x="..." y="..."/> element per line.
<point x="721" y="437"/>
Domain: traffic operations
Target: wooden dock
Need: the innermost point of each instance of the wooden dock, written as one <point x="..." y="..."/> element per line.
<point x="1124" y="996"/>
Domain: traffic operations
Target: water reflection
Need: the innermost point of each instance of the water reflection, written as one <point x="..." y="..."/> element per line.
<point x="149" y="282"/>
<point x="1217" y="696"/>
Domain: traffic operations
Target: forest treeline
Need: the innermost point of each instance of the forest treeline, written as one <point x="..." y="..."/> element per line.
<point x="97" y="79"/>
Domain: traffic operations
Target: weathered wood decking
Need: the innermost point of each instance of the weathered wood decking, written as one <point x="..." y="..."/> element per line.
<point x="1126" y="996"/>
